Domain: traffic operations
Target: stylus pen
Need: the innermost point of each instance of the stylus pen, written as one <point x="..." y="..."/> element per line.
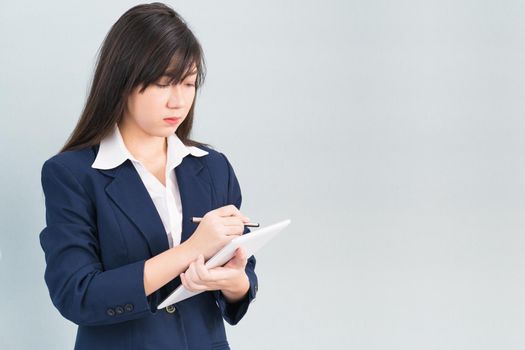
<point x="250" y="224"/>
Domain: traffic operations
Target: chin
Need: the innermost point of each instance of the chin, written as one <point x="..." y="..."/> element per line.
<point x="170" y="130"/>
<point x="163" y="132"/>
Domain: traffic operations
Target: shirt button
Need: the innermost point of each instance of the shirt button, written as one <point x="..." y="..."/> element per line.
<point x="119" y="310"/>
<point x="170" y="309"/>
<point x="110" y="312"/>
<point x="128" y="307"/>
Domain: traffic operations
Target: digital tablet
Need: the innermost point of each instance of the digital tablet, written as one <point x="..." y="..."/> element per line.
<point x="251" y="242"/>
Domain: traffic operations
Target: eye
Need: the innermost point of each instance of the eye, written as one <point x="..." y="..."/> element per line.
<point x="163" y="83"/>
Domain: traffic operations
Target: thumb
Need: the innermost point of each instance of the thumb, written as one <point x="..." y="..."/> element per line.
<point x="239" y="259"/>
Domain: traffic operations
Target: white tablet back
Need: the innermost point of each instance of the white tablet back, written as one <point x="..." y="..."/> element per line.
<point x="251" y="242"/>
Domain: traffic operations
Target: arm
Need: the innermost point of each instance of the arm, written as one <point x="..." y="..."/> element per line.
<point x="79" y="287"/>
<point x="166" y="266"/>
<point x="234" y="312"/>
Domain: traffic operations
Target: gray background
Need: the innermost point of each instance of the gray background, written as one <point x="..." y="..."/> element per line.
<point x="391" y="133"/>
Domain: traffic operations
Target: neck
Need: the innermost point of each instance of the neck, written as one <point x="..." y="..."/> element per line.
<point x="144" y="147"/>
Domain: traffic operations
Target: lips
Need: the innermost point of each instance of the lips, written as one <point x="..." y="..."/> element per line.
<point x="172" y="120"/>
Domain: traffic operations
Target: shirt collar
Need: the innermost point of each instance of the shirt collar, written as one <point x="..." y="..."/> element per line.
<point x="113" y="152"/>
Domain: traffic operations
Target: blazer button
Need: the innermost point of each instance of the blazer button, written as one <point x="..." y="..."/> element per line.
<point x="110" y="312"/>
<point x="119" y="310"/>
<point x="170" y="309"/>
<point x="128" y="307"/>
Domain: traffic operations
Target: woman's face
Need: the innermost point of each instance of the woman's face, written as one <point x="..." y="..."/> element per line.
<point x="148" y="110"/>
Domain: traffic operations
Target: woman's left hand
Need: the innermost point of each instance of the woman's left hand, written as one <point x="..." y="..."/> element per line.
<point x="231" y="278"/>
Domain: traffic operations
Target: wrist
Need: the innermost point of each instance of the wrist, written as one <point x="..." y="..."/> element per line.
<point x="191" y="250"/>
<point x="237" y="290"/>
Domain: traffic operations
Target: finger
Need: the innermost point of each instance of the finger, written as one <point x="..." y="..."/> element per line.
<point x="195" y="278"/>
<point x="239" y="260"/>
<point x="197" y="287"/>
<point x="227" y="210"/>
<point x="230" y="210"/>
<point x="232" y="221"/>
<point x="212" y="279"/>
<point x="242" y="254"/>
<point x="192" y="272"/>
<point x="221" y="274"/>
<point x="191" y="284"/>
<point x="239" y="254"/>
<point x="201" y="270"/>
<point x="236" y="230"/>
<point x="184" y="281"/>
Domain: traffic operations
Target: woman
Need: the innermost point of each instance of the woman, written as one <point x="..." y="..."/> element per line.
<point x="121" y="193"/>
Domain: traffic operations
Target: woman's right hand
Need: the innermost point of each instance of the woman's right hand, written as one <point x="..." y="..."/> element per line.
<point x="216" y="229"/>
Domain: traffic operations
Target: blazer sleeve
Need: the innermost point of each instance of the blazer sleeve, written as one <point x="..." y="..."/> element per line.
<point x="78" y="285"/>
<point x="234" y="312"/>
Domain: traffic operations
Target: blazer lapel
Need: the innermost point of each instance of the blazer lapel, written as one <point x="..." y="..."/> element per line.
<point x="195" y="192"/>
<point x="129" y="193"/>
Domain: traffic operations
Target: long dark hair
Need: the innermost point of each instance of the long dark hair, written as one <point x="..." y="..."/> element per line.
<point x="139" y="48"/>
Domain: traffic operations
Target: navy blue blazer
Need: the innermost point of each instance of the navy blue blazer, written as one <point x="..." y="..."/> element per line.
<point x="101" y="227"/>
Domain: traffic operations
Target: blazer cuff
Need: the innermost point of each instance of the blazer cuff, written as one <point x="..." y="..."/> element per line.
<point x="126" y="298"/>
<point x="234" y="312"/>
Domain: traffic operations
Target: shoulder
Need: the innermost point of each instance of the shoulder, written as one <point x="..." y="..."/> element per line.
<point x="219" y="166"/>
<point x="77" y="162"/>
<point x="222" y="175"/>
<point x="215" y="159"/>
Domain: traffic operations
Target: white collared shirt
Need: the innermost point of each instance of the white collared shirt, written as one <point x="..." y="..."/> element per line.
<point x="113" y="152"/>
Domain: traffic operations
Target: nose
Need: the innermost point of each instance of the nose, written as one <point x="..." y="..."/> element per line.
<point x="176" y="98"/>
